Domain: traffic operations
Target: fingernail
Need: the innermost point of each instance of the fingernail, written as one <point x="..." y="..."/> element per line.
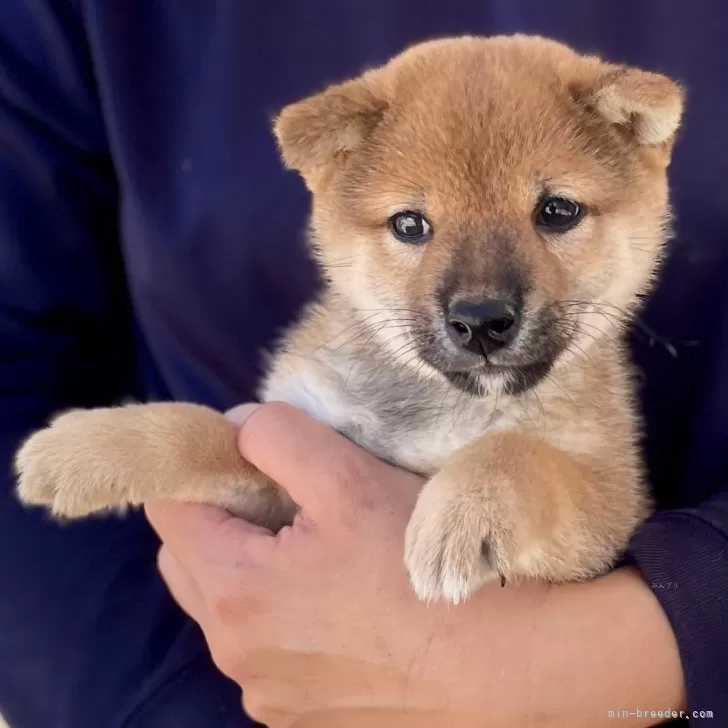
<point x="239" y="414"/>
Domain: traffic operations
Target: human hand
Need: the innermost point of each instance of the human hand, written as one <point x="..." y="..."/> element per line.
<point x="320" y="627"/>
<point x="319" y="623"/>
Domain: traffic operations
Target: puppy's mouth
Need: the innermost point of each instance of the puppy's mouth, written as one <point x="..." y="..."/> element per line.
<point x="511" y="379"/>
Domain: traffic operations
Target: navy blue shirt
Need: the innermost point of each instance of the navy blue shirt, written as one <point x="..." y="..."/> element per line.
<point x="151" y="244"/>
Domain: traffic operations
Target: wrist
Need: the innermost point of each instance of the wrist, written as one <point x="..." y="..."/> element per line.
<point x="566" y="655"/>
<point x="481" y="657"/>
<point x="605" y="648"/>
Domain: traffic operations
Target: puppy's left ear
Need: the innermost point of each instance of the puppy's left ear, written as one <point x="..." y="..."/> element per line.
<point x="648" y="105"/>
<point x="316" y="132"/>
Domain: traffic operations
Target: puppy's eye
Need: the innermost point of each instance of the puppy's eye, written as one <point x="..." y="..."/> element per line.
<point x="558" y="214"/>
<point x="410" y="227"/>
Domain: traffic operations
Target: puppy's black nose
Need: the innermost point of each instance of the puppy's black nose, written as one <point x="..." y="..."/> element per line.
<point x="483" y="327"/>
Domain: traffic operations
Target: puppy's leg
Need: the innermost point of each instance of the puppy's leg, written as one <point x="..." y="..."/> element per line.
<point x="108" y="459"/>
<point x="512" y="505"/>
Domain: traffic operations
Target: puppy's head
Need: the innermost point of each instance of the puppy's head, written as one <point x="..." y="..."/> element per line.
<point x="490" y="205"/>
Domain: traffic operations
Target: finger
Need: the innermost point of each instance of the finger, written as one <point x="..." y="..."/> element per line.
<point x="239" y="414"/>
<point x="202" y="536"/>
<point x="315" y="464"/>
<point x="181" y="585"/>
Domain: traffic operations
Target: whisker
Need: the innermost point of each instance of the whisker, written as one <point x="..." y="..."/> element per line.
<point x="622" y="315"/>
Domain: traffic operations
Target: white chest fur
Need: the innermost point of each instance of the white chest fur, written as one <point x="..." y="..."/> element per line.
<point x="410" y="422"/>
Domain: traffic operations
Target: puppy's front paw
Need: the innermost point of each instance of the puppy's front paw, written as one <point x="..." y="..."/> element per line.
<point x="63" y="467"/>
<point x="458" y="539"/>
<point x="108" y="459"/>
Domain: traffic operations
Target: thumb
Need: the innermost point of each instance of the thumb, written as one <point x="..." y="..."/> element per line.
<point x="319" y="468"/>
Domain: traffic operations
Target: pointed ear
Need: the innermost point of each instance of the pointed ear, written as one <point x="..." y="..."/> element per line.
<point x="314" y="132"/>
<point x="646" y="104"/>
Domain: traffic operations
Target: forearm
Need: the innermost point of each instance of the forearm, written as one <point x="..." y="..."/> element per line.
<point x="581" y="654"/>
<point x="603" y="650"/>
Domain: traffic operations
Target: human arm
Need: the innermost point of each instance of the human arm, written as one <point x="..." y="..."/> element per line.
<point x="320" y="626"/>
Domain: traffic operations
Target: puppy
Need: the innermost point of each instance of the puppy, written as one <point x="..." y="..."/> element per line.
<point x="488" y="212"/>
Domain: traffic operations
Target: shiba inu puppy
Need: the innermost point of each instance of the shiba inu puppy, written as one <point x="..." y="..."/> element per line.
<point x="488" y="212"/>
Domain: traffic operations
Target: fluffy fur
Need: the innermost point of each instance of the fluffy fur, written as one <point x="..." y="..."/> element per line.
<point x="531" y="454"/>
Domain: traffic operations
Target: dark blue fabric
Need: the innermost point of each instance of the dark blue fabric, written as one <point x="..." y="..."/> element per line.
<point x="150" y="244"/>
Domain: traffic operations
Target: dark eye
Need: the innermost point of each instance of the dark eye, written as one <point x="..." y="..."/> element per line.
<point x="410" y="227"/>
<point x="558" y="214"/>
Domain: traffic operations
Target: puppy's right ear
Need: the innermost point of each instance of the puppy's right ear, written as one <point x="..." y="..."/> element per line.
<point x="316" y="131"/>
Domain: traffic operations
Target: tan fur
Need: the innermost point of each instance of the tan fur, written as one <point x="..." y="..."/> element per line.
<point x="113" y="456"/>
<point x="542" y="483"/>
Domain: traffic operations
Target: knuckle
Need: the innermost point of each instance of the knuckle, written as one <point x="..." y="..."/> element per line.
<point x="252" y="706"/>
<point x="231" y="606"/>
<point x="258" y="709"/>
<point x="226" y="660"/>
<point x="224" y="606"/>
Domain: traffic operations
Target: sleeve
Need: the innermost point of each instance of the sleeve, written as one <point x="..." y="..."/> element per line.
<point x="683" y="556"/>
<point x="89" y="636"/>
